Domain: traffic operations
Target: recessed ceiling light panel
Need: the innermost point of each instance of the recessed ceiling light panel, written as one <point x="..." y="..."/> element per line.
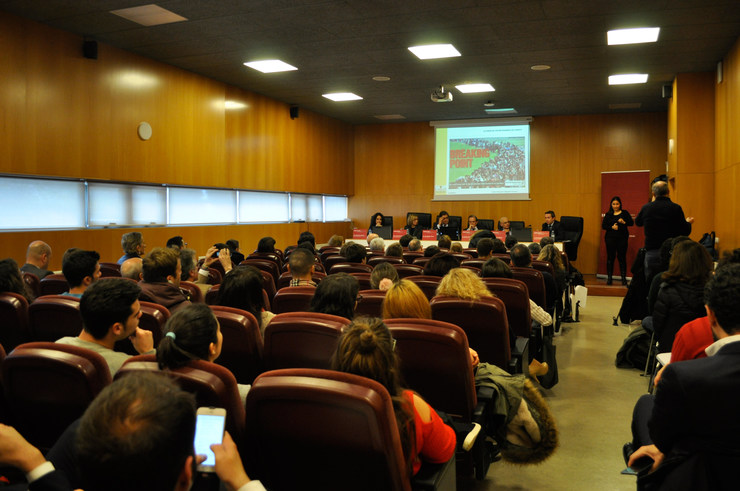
<point x="540" y="68"/>
<point x="431" y="51"/>
<point x="270" y="66"/>
<point x="342" y="96"/>
<point x="501" y="110"/>
<point x="386" y="117"/>
<point x="473" y="88"/>
<point x="381" y="78"/>
<point x="632" y="36"/>
<point x="628" y="78"/>
<point x="149" y="15"/>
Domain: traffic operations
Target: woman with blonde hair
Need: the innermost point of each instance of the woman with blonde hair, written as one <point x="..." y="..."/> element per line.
<point x="412" y="226"/>
<point x="366" y="348"/>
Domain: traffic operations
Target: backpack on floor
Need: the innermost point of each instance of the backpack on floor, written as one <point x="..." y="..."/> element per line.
<point x="634" y="350"/>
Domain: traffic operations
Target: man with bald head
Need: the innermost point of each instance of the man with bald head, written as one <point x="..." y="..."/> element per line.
<point x="38" y="256"/>
<point x="132" y="268"/>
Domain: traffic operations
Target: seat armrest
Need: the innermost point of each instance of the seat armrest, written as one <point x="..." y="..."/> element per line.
<point x="436" y="477"/>
<point x="519" y="356"/>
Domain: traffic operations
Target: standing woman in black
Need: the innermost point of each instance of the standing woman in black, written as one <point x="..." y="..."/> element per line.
<point x="615" y="222"/>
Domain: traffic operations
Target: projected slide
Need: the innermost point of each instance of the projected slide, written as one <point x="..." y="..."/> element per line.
<point x="482" y="162"/>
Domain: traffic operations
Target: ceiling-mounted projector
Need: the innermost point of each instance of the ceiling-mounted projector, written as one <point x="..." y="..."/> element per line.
<point x="441" y="95"/>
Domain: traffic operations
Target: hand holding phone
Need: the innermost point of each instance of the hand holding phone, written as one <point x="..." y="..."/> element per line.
<point x="209" y="429"/>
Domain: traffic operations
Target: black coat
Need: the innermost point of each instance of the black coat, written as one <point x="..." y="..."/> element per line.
<point x="677" y="304"/>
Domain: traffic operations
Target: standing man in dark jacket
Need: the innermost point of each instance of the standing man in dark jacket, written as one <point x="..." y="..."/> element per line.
<point x="662" y="219"/>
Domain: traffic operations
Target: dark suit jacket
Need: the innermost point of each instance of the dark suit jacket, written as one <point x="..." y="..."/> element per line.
<point x="696" y="413"/>
<point x="555" y="229"/>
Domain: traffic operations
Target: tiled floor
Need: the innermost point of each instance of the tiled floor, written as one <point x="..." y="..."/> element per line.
<point x="592" y="404"/>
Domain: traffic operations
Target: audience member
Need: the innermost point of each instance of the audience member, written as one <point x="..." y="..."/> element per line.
<point x="510" y="242"/>
<point x="38" y="256"/>
<point x="485" y="248"/>
<point x="394" y="250"/>
<point x="415" y="245"/>
<point x="161" y="284"/>
<point x="192" y="333"/>
<point x="546" y="241"/>
<point x="405" y="241"/>
<point x="236" y="255"/>
<point x="309" y="246"/>
<point x="431" y="251"/>
<point x="444" y="242"/>
<point x="365" y="348"/>
<point x="81" y="269"/>
<point x="534" y="248"/>
<point x="662" y="219"/>
<point x="11" y="279"/>
<point x="265" y="244"/>
<point x="441" y="264"/>
<point x="110" y="312"/>
<point x="176" y="242"/>
<point x="551" y="225"/>
<point x="456" y="248"/>
<point x="377" y="245"/>
<point x="412" y="227"/>
<point x="242" y="289"/>
<point x="694" y="337"/>
<point x="336" y="241"/>
<point x="666" y="249"/>
<point x="478" y="236"/>
<point x="147" y="444"/>
<point x="680" y="297"/>
<point x="472" y="222"/>
<point x="689" y="428"/>
<point x="371" y="237"/>
<point x="307" y="236"/>
<point x="133" y="269"/>
<point x="336" y="295"/>
<point x="552" y="255"/>
<point x="190" y="271"/>
<point x="355" y="253"/>
<point x="521" y="258"/>
<point x="133" y="245"/>
<point x="383" y="276"/>
<point x="301" y="264"/>
<point x="498" y="246"/>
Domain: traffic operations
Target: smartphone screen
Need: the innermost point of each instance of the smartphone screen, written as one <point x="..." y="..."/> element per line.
<point x="209" y="429"/>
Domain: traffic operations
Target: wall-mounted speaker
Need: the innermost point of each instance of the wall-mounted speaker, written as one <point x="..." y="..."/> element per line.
<point x="90" y="50"/>
<point x="667" y="91"/>
<point x="293" y="112"/>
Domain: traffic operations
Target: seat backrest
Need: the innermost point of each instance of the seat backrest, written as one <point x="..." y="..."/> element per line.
<point x="107" y="271"/>
<point x="302" y="340"/>
<point x="32" y="281"/>
<point x="535" y="284"/>
<point x="473" y="263"/>
<point x="286" y="277"/>
<point x="333" y="251"/>
<point x="515" y="296"/>
<point x="516" y="224"/>
<point x="326" y="248"/>
<point x="370" y="303"/>
<point x="409" y="256"/>
<point x="196" y="294"/>
<point x="484" y="322"/>
<point x="264" y="265"/>
<point x="242" y="347"/>
<point x="212" y="385"/>
<point x="350" y="268"/>
<point x="571" y="228"/>
<point x="461" y="256"/>
<point x="456" y="223"/>
<point x="406" y="270"/>
<point x="544" y="266"/>
<point x="53" y="284"/>
<point x="333" y="259"/>
<point x="269" y="285"/>
<point x="435" y="362"/>
<point x="269" y="256"/>
<point x="473" y="253"/>
<point x="425" y="219"/>
<point x="293" y="299"/>
<point x="363" y="279"/>
<point x="153" y="318"/>
<point x="375" y="260"/>
<point x="54" y="316"/>
<point x="427" y="284"/>
<point x="13" y="320"/>
<point x="212" y="295"/>
<point x="47" y="386"/>
<point x="342" y="426"/>
<point x="421" y="261"/>
<point x="486" y="224"/>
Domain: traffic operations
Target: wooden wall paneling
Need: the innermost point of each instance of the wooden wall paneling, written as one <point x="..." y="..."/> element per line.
<point x="727" y="208"/>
